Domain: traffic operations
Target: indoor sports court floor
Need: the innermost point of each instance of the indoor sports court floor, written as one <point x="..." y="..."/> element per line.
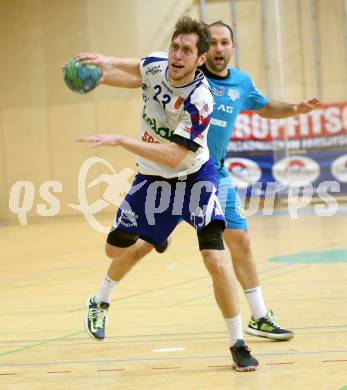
<point x="164" y="329"/>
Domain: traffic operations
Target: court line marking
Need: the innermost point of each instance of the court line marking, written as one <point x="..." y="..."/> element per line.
<point x="176" y="367"/>
<point x="261" y="272"/>
<point x="339" y="328"/>
<point x="113" y="369"/>
<point x="140" y="294"/>
<point x="38" y="344"/>
<point x="147" y="291"/>
<point x="136" y="360"/>
<point x="223" y="335"/>
<point x="274" y="364"/>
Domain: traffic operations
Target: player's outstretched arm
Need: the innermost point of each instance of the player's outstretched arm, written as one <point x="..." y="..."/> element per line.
<point x="117" y="78"/>
<point x="277" y="110"/>
<point x="117" y="72"/>
<point x="169" y="154"/>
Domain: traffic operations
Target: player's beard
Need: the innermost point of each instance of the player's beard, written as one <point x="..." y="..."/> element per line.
<point x="217" y="67"/>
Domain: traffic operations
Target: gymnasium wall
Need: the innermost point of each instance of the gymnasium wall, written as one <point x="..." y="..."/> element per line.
<point x="40" y="117"/>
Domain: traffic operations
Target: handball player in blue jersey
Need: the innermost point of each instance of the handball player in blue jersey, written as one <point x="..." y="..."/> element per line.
<point x="234" y="91"/>
<point x="173" y="158"/>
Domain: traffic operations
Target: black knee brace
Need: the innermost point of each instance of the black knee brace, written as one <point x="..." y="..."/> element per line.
<point x="121" y="239"/>
<point x="210" y="237"/>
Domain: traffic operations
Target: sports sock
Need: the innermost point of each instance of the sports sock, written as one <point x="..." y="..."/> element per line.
<point x="234" y="325"/>
<point x="256" y="302"/>
<point x="105" y="292"/>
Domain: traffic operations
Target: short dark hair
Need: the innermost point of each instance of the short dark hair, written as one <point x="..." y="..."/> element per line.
<point x="220" y="23"/>
<point x="187" y="25"/>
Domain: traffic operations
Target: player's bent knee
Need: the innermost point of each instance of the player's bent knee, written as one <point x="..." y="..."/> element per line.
<point x="144" y="249"/>
<point x="210" y="237"/>
<point x="113" y="252"/>
<point x="236" y="238"/>
<point x="120" y="239"/>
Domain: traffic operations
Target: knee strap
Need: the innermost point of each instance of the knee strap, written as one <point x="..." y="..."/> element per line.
<point x="121" y="239"/>
<point x="210" y="237"/>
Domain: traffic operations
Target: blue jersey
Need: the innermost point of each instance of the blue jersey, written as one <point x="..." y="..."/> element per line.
<point x="232" y="94"/>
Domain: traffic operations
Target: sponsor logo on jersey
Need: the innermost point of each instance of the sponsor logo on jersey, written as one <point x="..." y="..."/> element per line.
<point x="224" y="108"/>
<point x="153" y="70"/>
<point x="218" y="91"/>
<point x="149" y="138"/>
<point x="218" y="122"/>
<point x="234" y="94"/>
<point x="205" y="107"/>
<point x="295" y="169"/>
<point x="163" y="132"/>
<point x="127" y="218"/>
<point x="178" y="103"/>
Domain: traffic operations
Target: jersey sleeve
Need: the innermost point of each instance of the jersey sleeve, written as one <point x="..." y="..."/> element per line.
<point x="147" y="64"/>
<point x="196" y="116"/>
<point x="254" y="100"/>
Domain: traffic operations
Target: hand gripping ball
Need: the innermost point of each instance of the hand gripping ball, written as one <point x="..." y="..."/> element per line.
<point x="81" y="78"/>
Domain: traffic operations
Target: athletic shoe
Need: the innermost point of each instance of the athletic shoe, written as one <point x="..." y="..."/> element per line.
<point x="95" y="320"/>
<point x="267" y="327"/>
<point x="243" y="360"/>
<point x="161" y="248"/>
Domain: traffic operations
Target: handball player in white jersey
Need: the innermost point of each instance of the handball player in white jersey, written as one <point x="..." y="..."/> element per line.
<point x="176" y="179"/>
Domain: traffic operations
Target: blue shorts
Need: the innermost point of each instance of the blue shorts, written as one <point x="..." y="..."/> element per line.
<point x="231" y="205"/>
<point x="154" y="205"/>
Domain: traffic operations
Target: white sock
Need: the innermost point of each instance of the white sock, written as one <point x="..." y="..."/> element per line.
<point x="234" y="325"/>
<point x="256" y="302"/>
<point x="105" y="292"/>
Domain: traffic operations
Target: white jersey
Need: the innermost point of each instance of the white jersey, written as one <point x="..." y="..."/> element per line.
<point x="178" y="114"/>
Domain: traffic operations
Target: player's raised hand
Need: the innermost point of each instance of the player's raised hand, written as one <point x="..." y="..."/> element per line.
<point x="98" y="140"/>
<point x="307" y="105"/>
<point x="103" y="62"/>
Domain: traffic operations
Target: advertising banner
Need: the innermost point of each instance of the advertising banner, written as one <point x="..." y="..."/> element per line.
<point x="310" y="148"/>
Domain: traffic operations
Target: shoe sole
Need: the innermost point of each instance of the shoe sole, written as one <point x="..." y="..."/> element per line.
<point x="272" y="336"/>
<point x="86" y="324"/>
<point x="245" y="369"/>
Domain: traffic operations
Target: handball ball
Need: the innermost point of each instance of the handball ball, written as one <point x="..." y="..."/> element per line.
<point x="81" y="78"/>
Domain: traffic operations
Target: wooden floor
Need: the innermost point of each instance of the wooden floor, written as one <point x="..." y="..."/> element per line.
<point x="164" y="330"/>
